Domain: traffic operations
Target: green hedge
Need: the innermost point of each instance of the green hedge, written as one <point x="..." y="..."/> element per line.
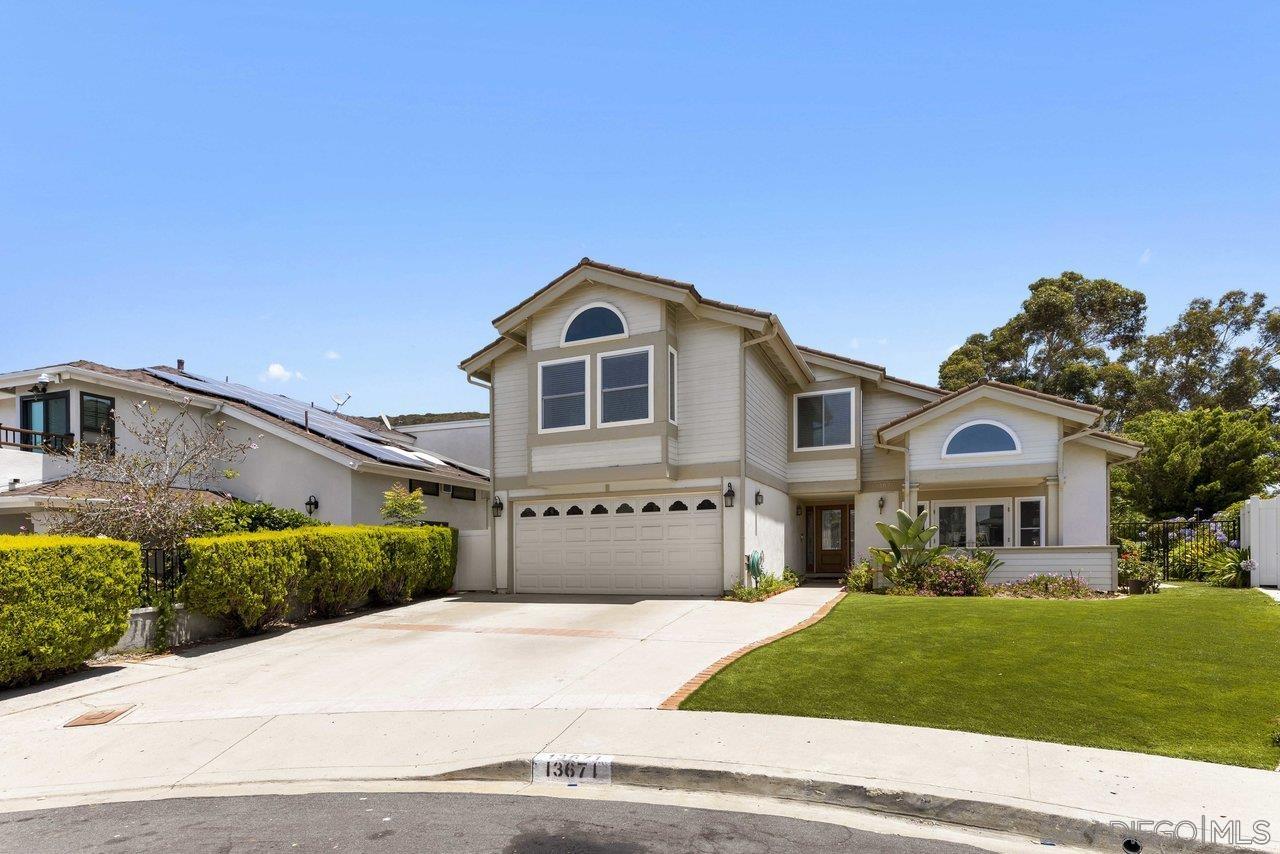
<point x="343" y="564"/>
<point x="61" y="600"/>
<point x="248" y="579"/>
<point x="255" y="579"/>
<point x="419" y="561"/>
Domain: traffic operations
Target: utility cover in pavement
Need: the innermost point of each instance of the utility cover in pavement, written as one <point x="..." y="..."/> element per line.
<point x="98" y="716"/>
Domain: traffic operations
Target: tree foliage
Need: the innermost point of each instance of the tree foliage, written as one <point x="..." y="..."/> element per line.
<point x="151" y="488"/>
<point x="402" y="507"/>
<point x="1197" y="458"/>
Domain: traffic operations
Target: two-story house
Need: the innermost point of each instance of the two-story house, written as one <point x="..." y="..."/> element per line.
<point x="645" y="439"/>
<point x="333" y="466"/>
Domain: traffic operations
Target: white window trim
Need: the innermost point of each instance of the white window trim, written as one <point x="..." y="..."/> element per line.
<point x="1018" y="501"/>
<point x="600" y="357"/>
<point x="673" y="385"/>
<point x="586" y="394"/>
<point x="971" y="518"/>
<point x="853" y="420"/>
<point x="564" y="330"/>
<point x="946" y="443"/>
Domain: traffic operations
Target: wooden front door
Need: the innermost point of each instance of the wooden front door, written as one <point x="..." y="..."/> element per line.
<point x="831" y="538"/>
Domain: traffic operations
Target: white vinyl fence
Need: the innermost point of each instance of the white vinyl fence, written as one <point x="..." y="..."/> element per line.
<point x="475" y="570"/>
<point x="1260" y="532"/>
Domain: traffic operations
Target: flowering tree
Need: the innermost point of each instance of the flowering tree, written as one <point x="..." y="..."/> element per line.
<point x="151" y="490"/>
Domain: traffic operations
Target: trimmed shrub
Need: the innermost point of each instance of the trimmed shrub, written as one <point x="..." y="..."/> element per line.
<point x="248" y="579"/>
<point x="61" y="600"/>
<point x="768" y="585"/>
<point x="860" y="578"/>
<point x="342" y="564"/>
<point x="417" y="562"/>
<point x="247" y="517"/>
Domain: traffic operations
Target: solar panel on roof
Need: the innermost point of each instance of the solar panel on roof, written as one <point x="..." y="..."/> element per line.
<point x="327" y="424"/>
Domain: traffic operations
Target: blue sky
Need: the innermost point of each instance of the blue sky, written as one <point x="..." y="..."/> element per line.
<point x="352" y="191"/>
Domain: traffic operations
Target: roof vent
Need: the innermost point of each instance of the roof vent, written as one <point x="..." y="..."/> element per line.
<point x="182" y="364"/>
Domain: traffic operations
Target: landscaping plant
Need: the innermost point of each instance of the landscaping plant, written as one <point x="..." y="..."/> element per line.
<point x="767" y="585"/>
<point x="342" y="566"/>
<point x="1137" y="575"/>
<point x="417" y="562"/>
<point x="402" y="507"/>
<point x="1230" y="568"/>
<point x="860" y="578"/>
<point x="246" y="517"/>
<point x="908" y="551"/>
<point x="247" y="579"/>
<point x="61" y="600"/>
<point x="1046" y="586"/>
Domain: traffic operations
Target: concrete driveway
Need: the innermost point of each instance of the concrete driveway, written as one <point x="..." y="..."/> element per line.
<point x="468" y="652"/>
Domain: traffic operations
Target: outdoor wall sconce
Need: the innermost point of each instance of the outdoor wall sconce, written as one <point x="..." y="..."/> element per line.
<point x="312" y="505"/>
<point x="880" y="503"/>
<point x="728" y="496"/>
<point x="759" y="497"/>
<point x="42" y="384"/>
<point x="799" y="510"/>
<point x="497" y="507"/>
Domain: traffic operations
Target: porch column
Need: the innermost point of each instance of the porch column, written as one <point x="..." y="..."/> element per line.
<point x="1052" y="534"/>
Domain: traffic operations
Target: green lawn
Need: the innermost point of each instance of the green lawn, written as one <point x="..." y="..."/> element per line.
<point x="1192" y="672"/>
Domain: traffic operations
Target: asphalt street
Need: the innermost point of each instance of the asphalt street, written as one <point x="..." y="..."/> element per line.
<point x="429" y="822"/>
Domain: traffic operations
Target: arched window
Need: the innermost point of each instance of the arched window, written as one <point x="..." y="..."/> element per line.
<point x="678" y="505"/>
<point x="706" y="504"/>
<point x="651" y="507"/>
<point x="599" y="510"/>
<point x="575" y="510"/>
<point x="594" y="322"/>
<point x="624" y="508"/>
<point x="981" y="437"/>
<point x="551" y="511"/>
<point x="527" y="513"/>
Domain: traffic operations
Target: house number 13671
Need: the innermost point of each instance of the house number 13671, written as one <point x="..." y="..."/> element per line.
<point x="572" y="768"/>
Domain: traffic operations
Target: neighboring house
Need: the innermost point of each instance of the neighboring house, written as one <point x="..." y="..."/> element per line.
<point x="302" y="452"/>
<point x="646" y="439"/>
<point x="459" y="435"/>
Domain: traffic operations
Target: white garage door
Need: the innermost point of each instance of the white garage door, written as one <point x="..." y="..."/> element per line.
<point x="660" y="544"/>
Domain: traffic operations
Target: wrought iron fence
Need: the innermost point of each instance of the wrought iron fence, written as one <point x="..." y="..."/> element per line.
<point x="1180" y="547"/>
<point x="162" y="571"/>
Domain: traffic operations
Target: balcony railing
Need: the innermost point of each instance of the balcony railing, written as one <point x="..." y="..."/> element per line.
<point x="35" y="440"/>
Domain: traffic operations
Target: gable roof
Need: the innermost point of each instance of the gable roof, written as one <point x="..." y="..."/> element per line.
<point x="415" y="459"/>
<point x="1085" y="413"/>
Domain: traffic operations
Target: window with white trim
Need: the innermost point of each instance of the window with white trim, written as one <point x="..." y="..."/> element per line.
<point x="562" y="395"/>
<point x="1030" y="521"/>
<point x="596" y="321"/>
<point x="626" y="387"/>
<point x="824" y="420"/>
<point x="981" y="437"/>
<point x="673" y="383"/>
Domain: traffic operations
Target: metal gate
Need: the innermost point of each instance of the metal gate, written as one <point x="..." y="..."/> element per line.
<point x="1180" y="547"/>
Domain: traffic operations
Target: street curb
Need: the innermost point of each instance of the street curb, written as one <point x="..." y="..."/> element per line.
<point x="682" y="693"/>
<point x="964" y="812"/>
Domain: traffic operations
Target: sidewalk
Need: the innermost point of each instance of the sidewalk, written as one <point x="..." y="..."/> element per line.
<point x="1066" y="794"/>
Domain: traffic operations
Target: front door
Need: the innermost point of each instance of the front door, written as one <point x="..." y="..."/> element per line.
<point x="831" y="554"/>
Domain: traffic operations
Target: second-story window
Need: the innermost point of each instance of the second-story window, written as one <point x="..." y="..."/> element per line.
<point x="673" y="385"/>
<point x="626" y="379"/>
<point x="824" y="419"/>
<point x="562" y="395"/>
<point x="97" y="421"/>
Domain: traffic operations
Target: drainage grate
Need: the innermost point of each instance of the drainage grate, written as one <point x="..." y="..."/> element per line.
<point x="98" y="716"/>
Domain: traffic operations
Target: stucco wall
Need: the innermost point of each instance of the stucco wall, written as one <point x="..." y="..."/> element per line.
<point x="866" y="512"/>
<point x="367" y="496"/>
<point x="1084" y="495"/>
<point x="769" y="525"/>
<point x="464" y="441"/>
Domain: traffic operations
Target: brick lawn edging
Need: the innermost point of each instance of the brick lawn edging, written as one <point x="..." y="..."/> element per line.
<point x="682" y="694"/>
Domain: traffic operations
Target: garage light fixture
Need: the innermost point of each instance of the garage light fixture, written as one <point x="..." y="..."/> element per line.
<point x="728" y="496"/>
<point x="312" y="505"/>
<point x="759" y="497"/>
<point x="497" y="507"/>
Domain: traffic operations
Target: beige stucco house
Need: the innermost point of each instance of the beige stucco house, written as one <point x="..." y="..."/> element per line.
<point x="336" y="467"/>
<point x="646" y="438"/>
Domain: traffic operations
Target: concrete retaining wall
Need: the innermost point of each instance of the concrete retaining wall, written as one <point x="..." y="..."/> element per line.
<point x="188" y="627"/>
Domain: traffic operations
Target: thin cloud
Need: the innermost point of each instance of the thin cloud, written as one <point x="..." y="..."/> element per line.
<point x="278" y="373"/>
<point x="332" y="355"/>
<point x="1146" y="257"/>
